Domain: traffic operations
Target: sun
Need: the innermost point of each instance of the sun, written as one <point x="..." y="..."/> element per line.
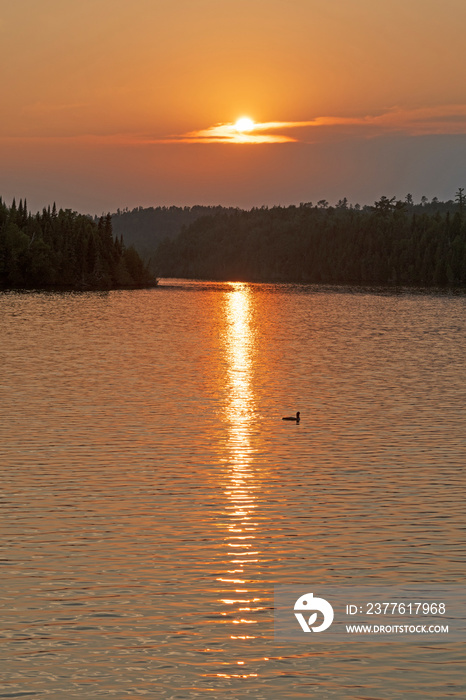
<point x="244" y="124"/>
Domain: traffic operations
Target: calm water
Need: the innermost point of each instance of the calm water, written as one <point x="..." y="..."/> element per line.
<point x="152" y="497"/>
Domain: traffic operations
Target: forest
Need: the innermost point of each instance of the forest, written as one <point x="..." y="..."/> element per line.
<point x="393" y="242"/>
<point x="65" y="250"/>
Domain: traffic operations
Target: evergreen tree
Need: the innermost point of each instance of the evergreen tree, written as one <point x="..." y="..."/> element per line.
<point x="64" y="249"/>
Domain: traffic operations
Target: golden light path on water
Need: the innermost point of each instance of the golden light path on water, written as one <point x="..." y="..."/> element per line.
<point x="240" y="538"/>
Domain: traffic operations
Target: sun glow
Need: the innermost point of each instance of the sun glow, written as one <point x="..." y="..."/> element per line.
<point x="244" y="130"/>
<point x="244" y="124"/>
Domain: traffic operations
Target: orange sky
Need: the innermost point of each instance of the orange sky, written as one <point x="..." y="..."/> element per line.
<point x="104" y="101"/>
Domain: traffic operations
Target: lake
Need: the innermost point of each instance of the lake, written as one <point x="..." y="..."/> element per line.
<point x="152" y="497"/>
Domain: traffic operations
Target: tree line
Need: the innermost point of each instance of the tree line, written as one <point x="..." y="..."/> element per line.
<point x="393" y="242"/>
<point x="66" y="250"/>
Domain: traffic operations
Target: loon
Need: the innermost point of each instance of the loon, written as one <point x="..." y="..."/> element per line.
<point x="295" y="418"/>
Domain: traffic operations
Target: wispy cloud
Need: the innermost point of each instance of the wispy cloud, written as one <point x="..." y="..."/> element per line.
<point x="445" y="119"/>
<point x="265" y="132"/>
<point x="423" y="121"/>
<point x="449" y="119"/>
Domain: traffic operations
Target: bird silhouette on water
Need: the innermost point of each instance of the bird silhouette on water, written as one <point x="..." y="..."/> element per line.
<point x="294" y="418"/>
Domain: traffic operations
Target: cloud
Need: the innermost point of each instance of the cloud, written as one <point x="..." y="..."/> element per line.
<point x="447" y="119"/>
<point x="422" y="121"/>
<point x="228" y="133"/>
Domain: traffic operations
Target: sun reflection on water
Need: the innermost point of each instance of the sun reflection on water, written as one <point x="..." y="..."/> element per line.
<point x="241" y="486"/>
<point x="239" y="341"/>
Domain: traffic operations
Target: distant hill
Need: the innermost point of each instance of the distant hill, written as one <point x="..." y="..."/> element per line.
<point x="145" y="228"/>
<point x="390" y="243"/>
